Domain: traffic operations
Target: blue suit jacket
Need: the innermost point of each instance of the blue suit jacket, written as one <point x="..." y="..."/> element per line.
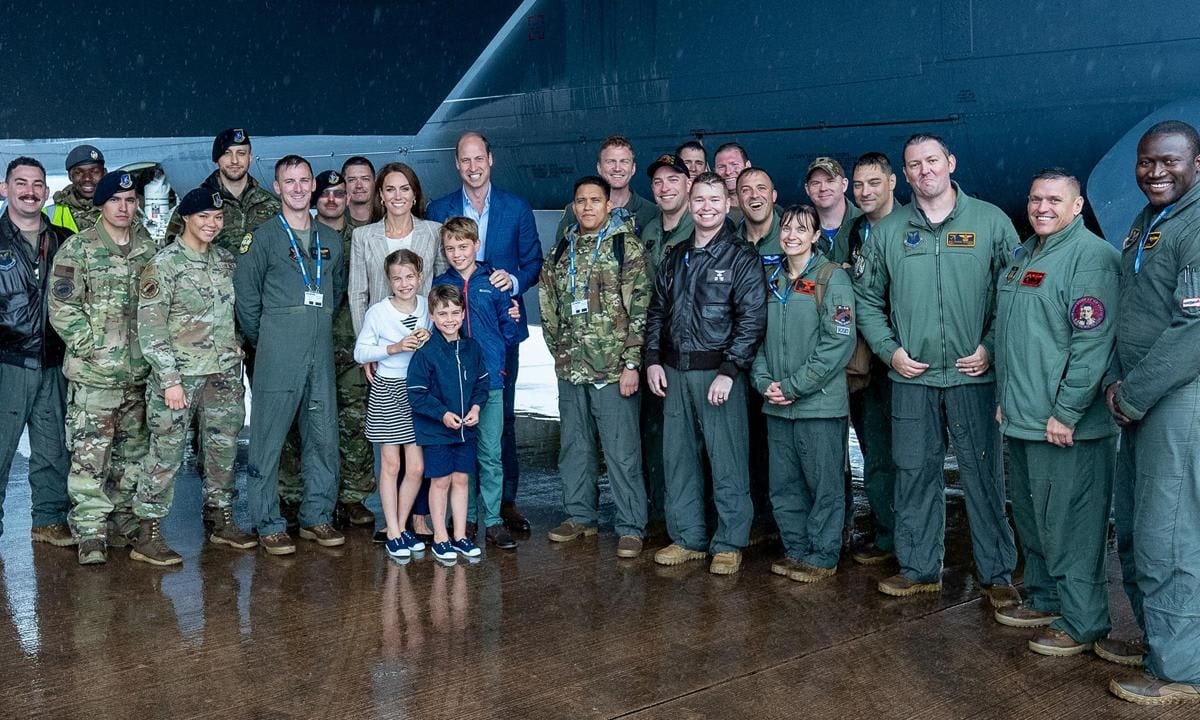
<point x="512" y="242"/>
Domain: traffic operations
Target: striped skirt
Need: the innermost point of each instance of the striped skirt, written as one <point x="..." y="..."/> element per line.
<point x="389" y="416"/>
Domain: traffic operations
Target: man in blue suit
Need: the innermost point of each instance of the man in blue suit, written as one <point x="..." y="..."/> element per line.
<point x="508" y="242"/>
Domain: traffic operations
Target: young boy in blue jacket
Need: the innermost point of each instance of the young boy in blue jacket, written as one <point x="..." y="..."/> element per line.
<point x="487" y="319"/>
<point x="448" y="388"/>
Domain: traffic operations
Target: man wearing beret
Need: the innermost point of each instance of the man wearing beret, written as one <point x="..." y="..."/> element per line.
<point x="93" y="306"/>
<point x="357" y="458"/>
<point x="187" y="335"/>
<point x="73" y="205"/>
<point x="247" y="204"/>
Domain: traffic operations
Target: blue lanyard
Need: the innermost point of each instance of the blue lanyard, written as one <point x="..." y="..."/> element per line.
<point x="308" y="285"/>
<point x="1137" y="261"/>
<point x="595" y="253"/>
<point x="783" y="299"/>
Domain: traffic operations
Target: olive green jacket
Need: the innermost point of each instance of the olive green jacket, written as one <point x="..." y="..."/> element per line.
<point x="1055" y="329"/>
<point x="932" y="290"/>
<point x="657" y="242"/>
<point x="807" y="344"/>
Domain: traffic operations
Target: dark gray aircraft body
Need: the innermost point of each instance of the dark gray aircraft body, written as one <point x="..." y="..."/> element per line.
<point x="1012" y="86"/>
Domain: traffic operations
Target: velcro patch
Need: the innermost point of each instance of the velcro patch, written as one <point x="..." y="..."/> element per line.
<point x="1087" y="313"/>
<point x="1131" y="238"/>
<point x="1033" y="279"/>
<point x="64" y="271"/>
<point x="324" y="253"/>
<point x="1012" y="273"/>
<point x="842" y="315"/>
<point x="962" y="240"/>
<point x="1152" y="240"/>
<point x="805" y="287"/>
<point x="771" y="260"/>
<point x="246" y="242"/>
<point x="7" y="260"/>
<point x="912" y="239"/>
<point x="149" y="289"/>
<point x="63" y="288"/>
<point x="719" y="276"/>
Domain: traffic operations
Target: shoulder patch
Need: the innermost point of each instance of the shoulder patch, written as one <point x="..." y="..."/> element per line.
<point x="63" y="288"/>
<point x="149" y="289"/>
<point x="961" y="239"/>
<point x="246" y="242"/>
<point x="842" y="315"/>
<point x="1087" y="313"/>
<point x="64" y="271"/>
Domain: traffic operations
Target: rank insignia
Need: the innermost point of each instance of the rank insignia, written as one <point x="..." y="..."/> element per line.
<point x="1087" y="313"/>
<point x="218" y="201"/>
<point x="1033" y="279"/>
<point x="246" y="242"/>
<point x="805" y="287"/>
<point x="149" y="289"/>
<point x="842" y="315"/>
<point x="912" y="239"/>
<point x="8" y="261"/>
<point x="1152" y="240"/>
<point x="962" y="240"/>
<point x="1012" y="273"/>
<point x="125" y="181"/>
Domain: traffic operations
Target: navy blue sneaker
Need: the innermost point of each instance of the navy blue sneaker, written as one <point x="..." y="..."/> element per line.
<point x="412" y="542"/>
<point x="397" y="548"/>
<point x="466" y="548"/>
<point x="444" y="551"/>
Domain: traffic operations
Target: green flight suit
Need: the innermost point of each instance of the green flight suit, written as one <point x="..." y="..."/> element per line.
<point x="1157" y="363"/>
<point x="931" y="290"/>
<point x="356" y="456"/>
<point x="807" y="346"/>
<point x="294" y="366"/>
<point x="657" y="242"/>
<point x="641" y="210"/>
<point x="591" y="350"/>
<point x="1054" y="341"/>
<point x="187" y="334"/>
<point x="838" y="249"/>
<point x="93" y="306"/>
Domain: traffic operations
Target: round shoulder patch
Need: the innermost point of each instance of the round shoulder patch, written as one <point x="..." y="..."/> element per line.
<point x="1087" y="313"/>
<point x="149" y="289"/>
<point x="63" y="288"/>
<point x="246" y="242"/>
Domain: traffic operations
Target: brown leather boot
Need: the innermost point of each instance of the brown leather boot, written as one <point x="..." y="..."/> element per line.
<point x="222" y="530"/>
<point x="151" y="548"/>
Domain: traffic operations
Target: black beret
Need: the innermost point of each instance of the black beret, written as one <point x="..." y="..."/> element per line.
<point x="117" y="181"/>
<point x="227" y="138"/>
<point x="199" y="200"/>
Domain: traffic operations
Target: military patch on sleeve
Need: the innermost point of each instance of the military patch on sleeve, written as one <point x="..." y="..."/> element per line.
<point x="64" y="271"/>
<point x="843" y="317"/>
<point x="1152" y="240"/>
<point x="1033" y="279"/>
<point x="962" y="240"/>
<point x="149" y="289"/>
<point x="1087" y="313"/>
<point x="1131" y="238"/>
<point x="246" y="242"/>
<point x="63" y="288"/>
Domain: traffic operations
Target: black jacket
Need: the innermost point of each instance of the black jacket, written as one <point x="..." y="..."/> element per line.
<point x="26" y="338"/>
<point x="709" y="309"/>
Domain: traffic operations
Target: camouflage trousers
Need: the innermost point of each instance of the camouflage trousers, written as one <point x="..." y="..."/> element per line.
<point x="216" y="404"/>
<point x="106" y="428"/>
<point x="356" y="456"/>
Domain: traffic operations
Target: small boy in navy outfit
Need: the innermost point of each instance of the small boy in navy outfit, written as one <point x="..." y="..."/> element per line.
<point x="448" y="388"/>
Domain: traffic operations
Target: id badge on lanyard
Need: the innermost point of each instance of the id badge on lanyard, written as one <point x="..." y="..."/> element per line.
<point x="313" y="297"/>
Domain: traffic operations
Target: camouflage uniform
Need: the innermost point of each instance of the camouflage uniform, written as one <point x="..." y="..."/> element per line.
<point x="590" y="351"/>
<point x="242" y="214"/>
<point x="73" y="211"/>
<point x="357" y="457"/>
<point x="187" y="334"/>
<point x="93" y="306"/>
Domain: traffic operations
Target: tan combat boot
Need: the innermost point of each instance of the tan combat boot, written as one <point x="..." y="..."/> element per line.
<point x="151" y="548"/>
<point x="222" y="530"/>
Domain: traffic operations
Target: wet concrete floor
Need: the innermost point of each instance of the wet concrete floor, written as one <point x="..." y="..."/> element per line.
<point x="548" y="631"/>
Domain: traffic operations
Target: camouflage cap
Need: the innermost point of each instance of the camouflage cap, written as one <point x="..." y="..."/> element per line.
<point x="828" y="164"/>
<point x="82" y="155"/>
<point x="667" y="161"/>
<point x="117" y="181"/>
<point x="200" y="200"/>
<point x="326" y="180"/>
<point x="228" y="138"/>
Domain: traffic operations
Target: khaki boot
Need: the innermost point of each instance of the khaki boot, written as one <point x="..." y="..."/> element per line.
<point x="223" y="531"/>
<point x="676" y="554"/>
<point x="151" y="548"/>
<point x="92" y="551"/>
<point x="726" y="563"/>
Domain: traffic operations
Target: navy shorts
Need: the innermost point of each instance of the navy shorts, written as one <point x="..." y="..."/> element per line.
<point x="441" y="460"/>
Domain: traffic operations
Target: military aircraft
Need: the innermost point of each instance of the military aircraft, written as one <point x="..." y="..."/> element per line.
<point x="1012" y="86"/>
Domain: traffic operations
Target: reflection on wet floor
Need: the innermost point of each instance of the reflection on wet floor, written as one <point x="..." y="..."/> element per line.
<point x="548" y="631"/>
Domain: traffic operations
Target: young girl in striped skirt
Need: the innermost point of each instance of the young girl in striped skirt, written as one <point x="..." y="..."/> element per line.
<point x="392" y="330"/>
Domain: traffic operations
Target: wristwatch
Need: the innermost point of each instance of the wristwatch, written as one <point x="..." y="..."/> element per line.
<point x="631" y="366"/>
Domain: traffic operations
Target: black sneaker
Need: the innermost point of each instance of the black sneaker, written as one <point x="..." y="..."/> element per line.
<point x="380" y="537"/>
<point x="499" y="536"/>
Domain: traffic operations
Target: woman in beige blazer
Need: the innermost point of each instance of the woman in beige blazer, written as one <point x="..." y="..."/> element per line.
<point x="399" y="197"/>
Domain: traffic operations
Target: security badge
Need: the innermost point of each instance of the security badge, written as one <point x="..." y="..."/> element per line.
<point x="333" y="178"/>
<point x="843" y="317"/>
<point x="1087" y="313"/>
<point x="217" y="200"/>
<point x="579" y="307"/>
<point x="314" y="298"/>
<point x="8" y="261"/>
<point x="960" y="239"/>
<point x="912" y="239"/>
<point x="239" y="136"/>
<point x="125" y="181"/>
